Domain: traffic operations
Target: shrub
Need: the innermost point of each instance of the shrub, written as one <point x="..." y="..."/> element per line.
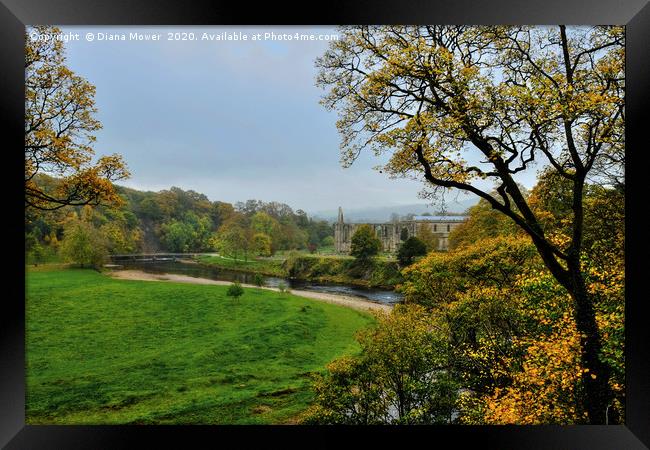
<point x="37" y="254"/>
<point x="282" y="287"/>
<point x="258" y="279"/>
<point x="235" y="290"/>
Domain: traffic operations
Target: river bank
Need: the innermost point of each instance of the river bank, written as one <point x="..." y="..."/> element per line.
<point x="377" y="273"/>
<point x="347" y="301"/>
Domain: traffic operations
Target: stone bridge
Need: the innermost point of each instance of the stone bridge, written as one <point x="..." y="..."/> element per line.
<point x="150" y="257"/>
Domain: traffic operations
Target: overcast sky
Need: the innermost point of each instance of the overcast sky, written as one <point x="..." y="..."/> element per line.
<point x="234" y="120"/>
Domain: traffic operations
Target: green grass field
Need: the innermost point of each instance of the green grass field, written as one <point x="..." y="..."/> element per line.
<point x="105" y="351"/>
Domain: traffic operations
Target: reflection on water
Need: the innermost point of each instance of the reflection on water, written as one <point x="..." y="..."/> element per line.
<point x="214" y="273"/>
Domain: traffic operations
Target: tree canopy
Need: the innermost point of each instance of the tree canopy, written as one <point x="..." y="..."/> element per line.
<point x="59" y="132"/>
<point x="464" y="107"/>
<point x="364" y="243"/>
<point x="409" y="249"/>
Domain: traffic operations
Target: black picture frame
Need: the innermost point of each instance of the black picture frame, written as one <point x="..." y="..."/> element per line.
<point x="15" y="14"/>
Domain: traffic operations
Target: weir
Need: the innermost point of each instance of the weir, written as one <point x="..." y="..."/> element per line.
<point x="144" y="257"/>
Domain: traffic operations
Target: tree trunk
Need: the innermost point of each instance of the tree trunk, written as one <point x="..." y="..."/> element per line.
<point x="596" y="380"/>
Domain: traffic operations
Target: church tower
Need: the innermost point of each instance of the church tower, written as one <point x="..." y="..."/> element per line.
<point x="338" y="232"/>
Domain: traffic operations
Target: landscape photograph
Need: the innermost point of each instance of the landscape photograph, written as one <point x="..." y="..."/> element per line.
<point x="325" y="225"/>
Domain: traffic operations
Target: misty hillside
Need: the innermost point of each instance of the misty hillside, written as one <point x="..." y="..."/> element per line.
<point x="383" y="213"/>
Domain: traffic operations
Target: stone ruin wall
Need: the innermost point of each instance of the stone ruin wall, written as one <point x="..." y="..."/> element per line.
<point x="390" y="233"/>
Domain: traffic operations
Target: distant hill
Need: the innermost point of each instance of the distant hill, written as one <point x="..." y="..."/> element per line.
<point x="383" y="213"/>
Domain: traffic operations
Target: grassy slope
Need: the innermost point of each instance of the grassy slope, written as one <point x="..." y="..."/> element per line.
<point x="112" y="351"/>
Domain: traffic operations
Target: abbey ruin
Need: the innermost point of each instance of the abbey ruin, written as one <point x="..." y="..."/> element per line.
<point x="392" y="234"/>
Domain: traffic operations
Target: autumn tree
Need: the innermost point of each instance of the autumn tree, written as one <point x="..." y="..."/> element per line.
<point x="463" y="107"/>
<point x="83" y="244"/>
<point x="262" y="223"/>
<point x="441" y="277"/>
<point x="262" y="244"/>
<point x="233" y="240"/>
<point x="59" y="132"/>
<point x="483" y="222"/>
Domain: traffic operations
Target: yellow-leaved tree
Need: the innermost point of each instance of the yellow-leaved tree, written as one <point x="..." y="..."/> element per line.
<point x="59" y="127"/>
<point x="465" y="107"/>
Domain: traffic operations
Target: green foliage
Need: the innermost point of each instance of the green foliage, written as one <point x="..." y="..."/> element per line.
<point x="119" y="238"/>
<point x="511" y="326"/>
<point x="374" y="272"/>
<point x="319" y="231"/>
<point x="118" y="226"/>
<point x="440" y="277"/>
<point x="410" y="248"/>
<point x="176" y="220"/>
<point x="483" y="222"/>
<point x="262" y="244"/>
<point x="83" y="244"/>
<point x="292" y="237"/>
<point x="233" y="240"/>
<point x="41" y="249"/>
<point x="604" y="225"/>
<point x="328" y="241"/>
<point x="385" y="274"/>
<point x="348" y="394"/>
<point x="271" y="267"/>
<point x="235" y="290"/>
<point x="199" y="358"/>
<point x="262" y="223"/>
<point x="364" y="243"/>
<point x="512" y="96"/>
<point x="258" y="279"/>
<point x="36" y="255"/>
<point x="430" y="239"/>
<point x="401" y="376"/>
<point x="149" y="208"/>
<point x="177" y="236"/>
<point x="282" y="287"/>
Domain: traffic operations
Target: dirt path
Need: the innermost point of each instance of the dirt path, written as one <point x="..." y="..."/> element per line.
<point x="343" y="300"/>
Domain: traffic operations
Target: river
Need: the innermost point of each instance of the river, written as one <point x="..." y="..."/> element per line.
<point x="216" y="273"/>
